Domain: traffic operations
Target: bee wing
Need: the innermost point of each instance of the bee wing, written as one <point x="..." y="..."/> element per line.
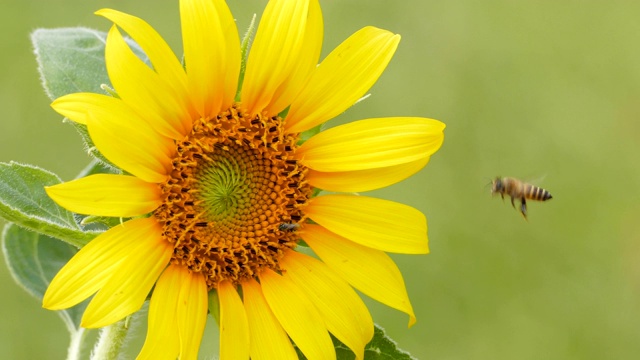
<point x="535" y="180"/>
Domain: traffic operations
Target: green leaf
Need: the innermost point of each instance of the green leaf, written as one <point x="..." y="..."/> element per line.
<point x="381" y="347"/>
<point x="244" y="53"/>
<point x="33" y="260"/>
<point x="71" y="60"/>
<point x="24" y="202"/>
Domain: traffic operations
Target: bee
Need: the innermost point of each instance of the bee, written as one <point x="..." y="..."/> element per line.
<point x="288" y="227"/>
<point x="518" y="189"/>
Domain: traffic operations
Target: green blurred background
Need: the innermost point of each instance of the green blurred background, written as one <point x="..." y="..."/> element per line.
<point x="527" y="88"/>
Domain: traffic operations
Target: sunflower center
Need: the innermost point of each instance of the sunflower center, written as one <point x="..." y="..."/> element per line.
<point x="225" y="182"/>
<point x="233" y="196"/>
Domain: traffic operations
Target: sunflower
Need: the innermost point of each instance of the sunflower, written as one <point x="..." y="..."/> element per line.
<point x="218" y="187"/>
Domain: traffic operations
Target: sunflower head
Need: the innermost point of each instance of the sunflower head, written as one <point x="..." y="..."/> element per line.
<point x="233" y="185"/>
<point x="218" y="189"/>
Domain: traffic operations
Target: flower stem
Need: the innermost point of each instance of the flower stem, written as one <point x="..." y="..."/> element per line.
<point x="74" y="351"/>
<point x="110" y="341"/>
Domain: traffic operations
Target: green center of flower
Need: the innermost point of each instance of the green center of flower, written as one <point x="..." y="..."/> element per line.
<point x="233" y="191"/>
<point x="224" y="183"/>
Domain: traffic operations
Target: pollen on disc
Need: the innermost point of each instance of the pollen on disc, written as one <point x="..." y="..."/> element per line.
<point x="234" y="183"/>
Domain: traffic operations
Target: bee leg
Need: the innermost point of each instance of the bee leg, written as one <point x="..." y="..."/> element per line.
<point x="523" y="207"/>
<point x="512" y="203"/>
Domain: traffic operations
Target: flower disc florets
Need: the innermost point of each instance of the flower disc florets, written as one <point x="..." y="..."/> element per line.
<point x="234" y="183"/>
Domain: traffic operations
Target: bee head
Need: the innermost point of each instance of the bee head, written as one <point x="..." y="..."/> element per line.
<point x="497" y="186"/>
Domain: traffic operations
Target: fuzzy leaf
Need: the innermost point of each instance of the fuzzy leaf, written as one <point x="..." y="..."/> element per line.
<point x="24" y="202"/>
<point x="33" y="260"/>
<point x="381" y="347"/>
<point x="71" y="60"/>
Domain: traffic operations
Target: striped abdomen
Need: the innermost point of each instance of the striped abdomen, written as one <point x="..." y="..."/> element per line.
<point x="532" y="192"/>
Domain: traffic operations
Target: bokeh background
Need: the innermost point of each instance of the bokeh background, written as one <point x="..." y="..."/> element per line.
<point x="535" y="89"/>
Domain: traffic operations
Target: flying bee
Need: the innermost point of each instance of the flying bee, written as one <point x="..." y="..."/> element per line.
<point x="288" y="227"/>
<point x="518" y="189"/>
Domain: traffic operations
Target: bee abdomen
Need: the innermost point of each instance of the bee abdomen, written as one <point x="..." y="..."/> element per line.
<point x="536" y="193"/>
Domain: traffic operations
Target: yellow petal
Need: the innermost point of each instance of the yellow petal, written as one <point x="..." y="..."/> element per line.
<point x="121" y="134"/>
<point x="344" y="313"/>
<point x="297" y="315"/>
<point x="268" y="340"/>
<point x="125" y="291"/>
<point x="192" y="310"/>
<point x="274" y="53"/>
<point x="94" y="264"/>
<point x="306" y="63"/>
<point x="342" y="78"/>
<point x="163" y="339"/>
<point x="211" y="52"/>
<point x="376" y="223"/>
<point x="144" y="90"/>
<point x="107" y="195"/>
<point x="371" y="144"/>
<point x="234" y="328"/>
<point x="162" y="58"/>
<point x="364" y="180"/>
<point x="371" y="271"/>
<point x="130" y="143"/>
<point x="75" y="106"/>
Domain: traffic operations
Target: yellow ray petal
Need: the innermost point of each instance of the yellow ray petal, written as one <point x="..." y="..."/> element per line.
<point x="297" y="315"/>
<point x="114" y="113"/>
<point x="234" y="328"/>
<point x="268" y="340"/>
<point x="107" y="195"/>
<point x="372" y="143"/>
<point x="342" y="78"/>
<point x="130" y="143"/>
<point x="95" y="263"/>
<point x="306" y="63"/>
<point x="211" y="52"/>
<point x="144" y="90"/>
<point x="364" y="180"/>
<point x="275" y="52"/>
<point x="192" y="310"/>
<point x="163" y="339"/>
<point x="75" y="106"/>
<point x="126" y="139"/>
<point x="164" y="61"/>
<point x="371" y="271"/>
<point x="344" y="313"/>
<point x="125" y="291"/>
<point x="376" y="223"/>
